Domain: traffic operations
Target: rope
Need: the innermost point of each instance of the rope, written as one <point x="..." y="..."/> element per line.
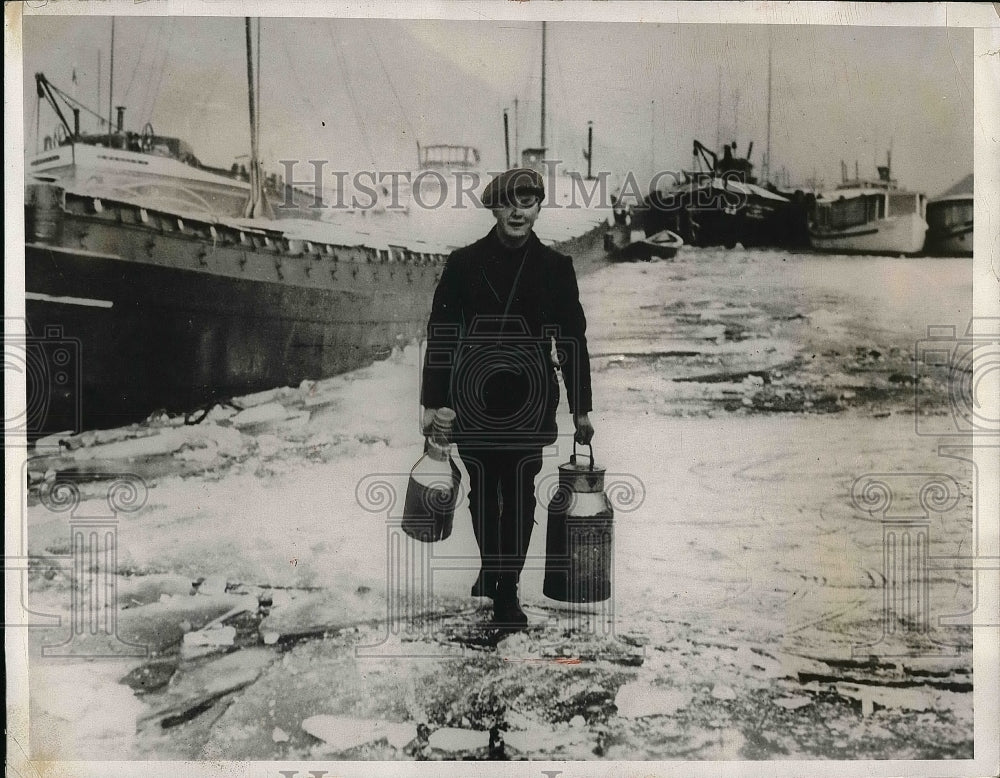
<point x="72" y="101"/>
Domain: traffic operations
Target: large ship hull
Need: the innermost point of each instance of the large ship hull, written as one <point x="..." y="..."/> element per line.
<point x="893" y="235"/>
<point x="719" y="213"/>
<point x="162" y="312"/>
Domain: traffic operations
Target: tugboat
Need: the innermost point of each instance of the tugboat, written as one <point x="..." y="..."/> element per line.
<point x="718" y="204"/>
<point x="869" y="217"/>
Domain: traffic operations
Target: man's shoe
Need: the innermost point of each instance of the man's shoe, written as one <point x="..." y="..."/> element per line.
<point x="485" y="585"/>
<point x="506" y="609"/>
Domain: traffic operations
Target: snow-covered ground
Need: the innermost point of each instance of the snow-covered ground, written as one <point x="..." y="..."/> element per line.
<point x="733" y="488"/>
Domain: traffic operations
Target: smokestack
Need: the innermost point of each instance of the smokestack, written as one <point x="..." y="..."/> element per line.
<point x="121" y="117"/>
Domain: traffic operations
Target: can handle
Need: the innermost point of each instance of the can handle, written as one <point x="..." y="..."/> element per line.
<point x="572" y="457"/>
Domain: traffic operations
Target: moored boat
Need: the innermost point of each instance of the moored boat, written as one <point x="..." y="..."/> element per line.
<point x="869" y="217"/>
<point x="170" y="289"/>
<point x="639" y="246"/>
<point x="155" y="170"/>
<point x="718" y="204"/>
<point x="444" y="171"/>
<point x="171" y="311"/>
<point x="949" y="221"/>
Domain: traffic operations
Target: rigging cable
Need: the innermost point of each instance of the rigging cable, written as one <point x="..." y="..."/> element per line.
<point x="135" y="70"/>
<point x="38" y="104"/>
<point x="155" y="94"/>
<point x="351" y="96"/>
<point x="392" y="87"/>
<point x="155" y="48"/>
<point x="72" y="101"/>
<point x="291" y="66"/>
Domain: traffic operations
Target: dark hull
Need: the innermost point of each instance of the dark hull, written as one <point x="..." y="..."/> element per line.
<point x="706" y="217"/>
<point x="955" y="242"/>
<point x="950" y="225"/>
<point x="163" y="319"/>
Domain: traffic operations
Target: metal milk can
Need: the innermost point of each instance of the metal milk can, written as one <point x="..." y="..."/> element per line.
<point x="434" y="484"/>
<point x="579" y="541"/>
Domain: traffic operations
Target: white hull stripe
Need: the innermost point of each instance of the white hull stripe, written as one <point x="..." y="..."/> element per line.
<point x="47" y="298"/>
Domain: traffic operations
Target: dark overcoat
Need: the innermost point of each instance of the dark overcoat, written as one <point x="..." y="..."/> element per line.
<point x="492" y="351"/>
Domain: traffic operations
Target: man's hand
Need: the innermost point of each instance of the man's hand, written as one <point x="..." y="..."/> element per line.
<point x="427" y="420"/>
<point x="584" y="429"/>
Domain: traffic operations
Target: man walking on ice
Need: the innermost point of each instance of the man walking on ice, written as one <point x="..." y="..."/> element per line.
<point x="501" y="304"/>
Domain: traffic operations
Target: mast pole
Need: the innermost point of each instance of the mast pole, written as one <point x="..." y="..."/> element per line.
<point x="718" y="114"/>
<point x="111" y="80"/>
<point x="767" y="161"/>
<point x="98" y="103"/>
<point x="256" y="127"/>
<point x="506" y="138"/>
<point x="542" y="144"/>
<point x="652" y="135"/>
<point x="251" y="206"/>
<point x="517" y="150"/>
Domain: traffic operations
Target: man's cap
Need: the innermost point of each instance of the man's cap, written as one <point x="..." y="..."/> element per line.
<point x="518" y="180"/>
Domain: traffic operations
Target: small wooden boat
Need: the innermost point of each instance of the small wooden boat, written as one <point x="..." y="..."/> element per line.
<point x="664" y="245"/>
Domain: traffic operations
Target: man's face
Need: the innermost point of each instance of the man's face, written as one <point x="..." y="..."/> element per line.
<point x="516" y="219"/>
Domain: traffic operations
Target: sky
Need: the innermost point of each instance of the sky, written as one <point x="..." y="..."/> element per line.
<point x="361" y="93"/>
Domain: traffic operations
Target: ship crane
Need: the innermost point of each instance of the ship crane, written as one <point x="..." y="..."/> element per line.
<point x="48" y="91"/>
<point x="53" y="95"/>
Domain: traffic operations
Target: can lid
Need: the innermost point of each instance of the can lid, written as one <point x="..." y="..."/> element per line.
<point x="444" y="418"/>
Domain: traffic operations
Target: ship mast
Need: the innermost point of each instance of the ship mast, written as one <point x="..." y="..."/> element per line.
<point x="542" y="144"/>
<point x="111" y="81"/>
<point x="767" y="159"/>
<point x="718" y="111"/>
<point x="517" y="149"/>
<point x="256" y="206"/>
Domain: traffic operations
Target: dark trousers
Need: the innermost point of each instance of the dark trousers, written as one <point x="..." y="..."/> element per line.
<point x="502" y="501"/>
